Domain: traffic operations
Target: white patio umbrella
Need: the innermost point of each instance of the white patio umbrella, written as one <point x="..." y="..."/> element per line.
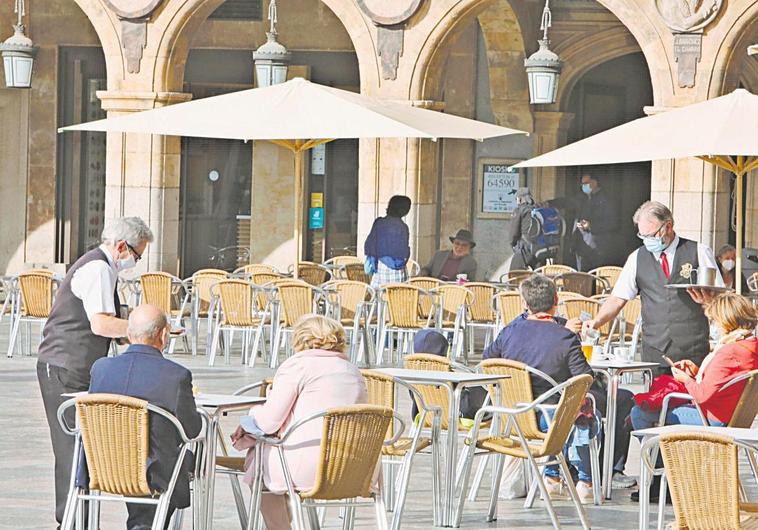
<point x="297" y="115"/>
<point x="722" y="131"/>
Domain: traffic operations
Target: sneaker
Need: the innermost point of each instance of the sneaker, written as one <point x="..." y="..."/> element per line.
<point x="554" y="488"/>
<point x="622" y="482"/>
<point x="584" y="490"/>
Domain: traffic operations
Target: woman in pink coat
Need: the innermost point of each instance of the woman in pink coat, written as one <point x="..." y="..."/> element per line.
<point x="317" y="377"/>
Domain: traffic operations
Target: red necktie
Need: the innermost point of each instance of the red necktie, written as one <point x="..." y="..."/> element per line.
<point x="665" y="265"/>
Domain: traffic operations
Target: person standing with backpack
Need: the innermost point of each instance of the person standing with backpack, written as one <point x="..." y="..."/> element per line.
<point x="534" y="232"/>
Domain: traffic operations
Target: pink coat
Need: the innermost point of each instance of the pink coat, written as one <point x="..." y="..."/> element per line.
<point x="308" y="382"/>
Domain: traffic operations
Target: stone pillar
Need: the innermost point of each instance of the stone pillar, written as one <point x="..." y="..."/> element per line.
<point x="550" y="132"/>
<point x="142" y="176"/>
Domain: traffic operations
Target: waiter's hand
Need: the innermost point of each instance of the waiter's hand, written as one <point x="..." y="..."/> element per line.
<point x="588" y="325"/>
<point x="701" y="296"/>
<point x="574" y="324"/>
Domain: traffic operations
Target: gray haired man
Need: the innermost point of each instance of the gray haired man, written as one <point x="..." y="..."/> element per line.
<point x="673" y="322"/>
<point x="82" y="322"/>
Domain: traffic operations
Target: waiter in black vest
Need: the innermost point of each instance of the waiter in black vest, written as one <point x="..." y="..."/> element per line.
<point x="83" y="320"/>
<point x="673" y="322"/>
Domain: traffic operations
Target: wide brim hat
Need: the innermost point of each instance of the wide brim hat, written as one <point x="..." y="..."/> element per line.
<point x="464" y="235"/>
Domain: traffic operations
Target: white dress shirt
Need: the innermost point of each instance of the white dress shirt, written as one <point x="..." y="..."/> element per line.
<point x="94" y="284"/>
<point x="626" y="285"/>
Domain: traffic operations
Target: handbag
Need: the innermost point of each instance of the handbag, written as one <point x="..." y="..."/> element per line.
<point x="661" y="386"/>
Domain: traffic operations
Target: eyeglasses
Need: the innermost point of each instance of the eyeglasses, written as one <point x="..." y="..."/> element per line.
<point x="657" y="231"/>
<point x="137" y="255"/>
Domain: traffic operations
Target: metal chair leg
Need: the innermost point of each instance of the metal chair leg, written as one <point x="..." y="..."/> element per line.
<point x="478" y="476"/>
<point x="214" y="346"/>
<point x="497" y="475"/>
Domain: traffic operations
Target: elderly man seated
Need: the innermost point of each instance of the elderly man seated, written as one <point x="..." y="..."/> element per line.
<point x="447" y="265"/>
<point x="142" y="372"/>
<point x="550" y="344"/>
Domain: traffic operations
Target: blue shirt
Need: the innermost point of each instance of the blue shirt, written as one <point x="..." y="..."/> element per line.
<point x="388" y="242"/>
<point x="542" y="344"/>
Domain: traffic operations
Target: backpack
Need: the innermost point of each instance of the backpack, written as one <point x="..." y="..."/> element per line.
<point x="543" y="233"/>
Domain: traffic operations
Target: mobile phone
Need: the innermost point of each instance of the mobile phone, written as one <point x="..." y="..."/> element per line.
<point x="668" y="361"/>
<point x="584" y="316"/>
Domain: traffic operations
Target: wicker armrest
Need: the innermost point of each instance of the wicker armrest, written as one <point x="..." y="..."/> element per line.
<point x="751" y="507"/>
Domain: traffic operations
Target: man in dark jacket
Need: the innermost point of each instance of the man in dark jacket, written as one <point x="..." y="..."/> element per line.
<point x="142" y="372"/>
<point x="447" y="265"/>
<point x="597" y="223"/>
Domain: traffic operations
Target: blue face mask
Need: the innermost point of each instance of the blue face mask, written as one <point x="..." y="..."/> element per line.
<point x="654" y="244"/>
<point x="586" y="188"/>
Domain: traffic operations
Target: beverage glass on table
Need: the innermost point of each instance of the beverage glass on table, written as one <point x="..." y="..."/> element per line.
<point x="589" y="343"/>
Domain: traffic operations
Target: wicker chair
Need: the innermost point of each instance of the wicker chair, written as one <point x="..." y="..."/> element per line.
<point x="399" y="313"/>
<point x="381" y="391"/>
<point x="702" y="470"/>
<point x="237" y="309"/>
<point x="514" y="278"/>
<point x="234" y="466"/>
<point x="482" y="313"/>
<point x="554" y="269"/>
<point x="351" y="445"/>
<point x="509" y="306"/>
<point x="426" y="305"/>
<point x="744" y="413"/>
<point x="114" y="431"/>
<point x="628" y="325"/>
<point x="752" y="282"/>
<point x="550" y="451"/>
<point x="352" y="304"/>
<point x="610" y="273"/>
<point x="171" y="295"/>
<point x="337" y="265"/>
<point x="582" y="283"/>
<point x="452" y="312"/>
<point x="254" y="268"/>
<point x="355" y="272"/>
<point x="517" y="390"/>
<point x="35" y="290"/>
<point x="201" y="283"/>
<point x="290" y="300"/>
<point x="313" y="273"/>
<point x="413" y="268"/>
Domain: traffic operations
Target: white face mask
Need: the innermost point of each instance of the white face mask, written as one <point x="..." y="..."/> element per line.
<point x="126" y="264"/>
<point x="728" y="264"/>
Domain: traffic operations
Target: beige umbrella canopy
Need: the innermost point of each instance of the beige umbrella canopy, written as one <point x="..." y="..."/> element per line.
<point x="297" y="115"/>
<point x="722" y="131"/>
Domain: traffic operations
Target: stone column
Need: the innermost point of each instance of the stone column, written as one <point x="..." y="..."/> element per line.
<point x="550" y="132"/>
<point x="142" y="175"/>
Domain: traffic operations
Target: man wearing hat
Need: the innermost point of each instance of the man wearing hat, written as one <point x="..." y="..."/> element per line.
<point x="447" y="265"/>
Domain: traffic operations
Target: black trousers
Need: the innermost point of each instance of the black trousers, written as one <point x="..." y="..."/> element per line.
<point x="54" y="381"/>
<point x="141" y="516"/>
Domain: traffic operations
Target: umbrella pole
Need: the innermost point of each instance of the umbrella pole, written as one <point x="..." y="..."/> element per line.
<point x="740" y="176"/>
<point x="299" y="155"/>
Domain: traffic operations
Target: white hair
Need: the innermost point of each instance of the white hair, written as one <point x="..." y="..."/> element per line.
<point x="133" y="230"/>
<point x="142" y="328"/>
<point x="655" y="210"/>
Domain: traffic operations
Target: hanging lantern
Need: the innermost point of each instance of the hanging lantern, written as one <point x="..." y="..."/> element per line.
<point x="272" y="58"/>
<point x="543" y="67"/>
<point x="18" y="53"/>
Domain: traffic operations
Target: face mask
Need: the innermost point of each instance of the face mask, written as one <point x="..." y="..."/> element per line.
<point x="728" y="264"/>
<point x="586" y="188"/>
<point x="126" y="264"/>
<point x="654" y="244"/>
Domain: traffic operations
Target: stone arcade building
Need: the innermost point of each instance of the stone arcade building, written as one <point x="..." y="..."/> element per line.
<point x="622" y="59"/>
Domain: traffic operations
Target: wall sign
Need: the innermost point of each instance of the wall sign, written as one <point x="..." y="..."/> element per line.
<point x="316" y="219"/>
<point x="497" y="187"/>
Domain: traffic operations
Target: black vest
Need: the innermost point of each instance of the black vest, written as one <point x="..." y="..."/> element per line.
<point x="672" y="323"/>
<point x="67" y="339"/>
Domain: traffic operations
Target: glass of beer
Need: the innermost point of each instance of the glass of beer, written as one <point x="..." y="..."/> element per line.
<point x="587" y="348"/>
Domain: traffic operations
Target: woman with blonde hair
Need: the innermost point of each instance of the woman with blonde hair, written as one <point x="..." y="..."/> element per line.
<point x="317" y="377"/>
<point x="735" y="354"/>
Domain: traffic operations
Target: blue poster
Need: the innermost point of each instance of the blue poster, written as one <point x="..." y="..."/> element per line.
<point x="316" y="218"/>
